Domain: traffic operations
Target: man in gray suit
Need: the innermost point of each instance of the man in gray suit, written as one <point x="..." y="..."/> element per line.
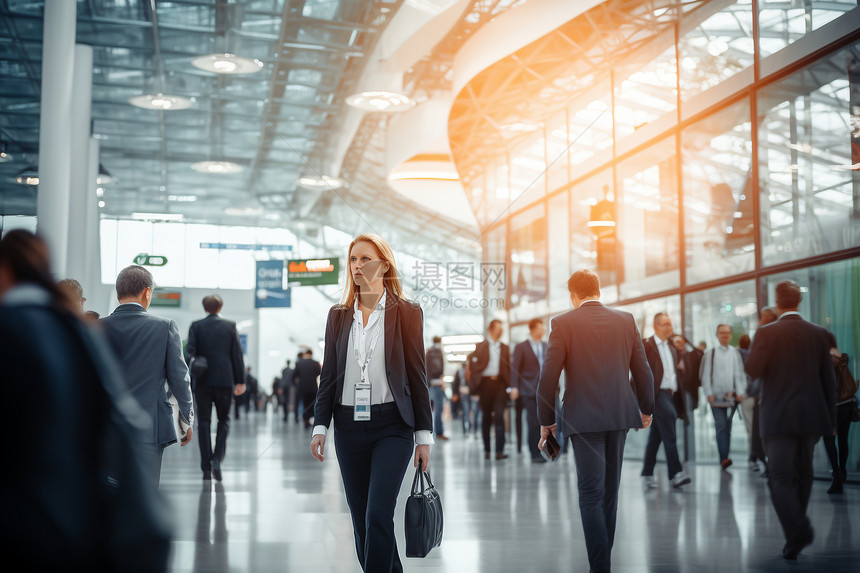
<point x="149" y="351"/>
<point x="598" y="348"/>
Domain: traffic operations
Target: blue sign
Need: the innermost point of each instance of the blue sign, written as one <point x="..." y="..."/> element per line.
<point x="245" y="247"/>
<point x="272" y="290"/>
<point x="243" y="340"/>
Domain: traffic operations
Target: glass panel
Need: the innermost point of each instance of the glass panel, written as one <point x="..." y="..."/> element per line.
<point x="782" y="23"/>
<point x="645" y="89"/>
<point x="557" y="139"/>
<point x="594" y="247"/>
<point x="558" y="218"/>
<point x="494" y="275"/>
<point x="590" y="122"/>
<point x="734" y="305"/>
<point x="809" y="157"/>
<point x="718" y="46"/>
<point x="528" y="171"/>
<point x="529" y="264"/>
<point x="831" y="298"/>
<point x="718" y="216"/>
<point x="648" y="221"/>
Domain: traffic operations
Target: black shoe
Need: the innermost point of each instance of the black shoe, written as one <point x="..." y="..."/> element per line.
<point x="486" y="455"/>
<point x="793" y="548"/>
<point x="538" y="460"/>
<point x="216" y="469"/>
<point x="836" y="486"/>
<point x="207" y="475"/>
<point x="501" y="456"/>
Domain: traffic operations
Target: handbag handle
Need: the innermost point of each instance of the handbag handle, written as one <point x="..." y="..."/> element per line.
<point x="422" y="476"/>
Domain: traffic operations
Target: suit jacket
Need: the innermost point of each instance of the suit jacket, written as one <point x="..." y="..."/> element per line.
<point x="525" y="369"/>
<point x="598" y="348"/>
<point x="690" y="375"/>
<point x="798" y="386"/>
<point x="480" y="358"/>
<point x="305" y="374"/>
<point x="62" y="514"/>
<point x="656" y="364"/>
<point x="149" y="351"/>
<point x="217" y="340"/>
<point x="404" y="362"/>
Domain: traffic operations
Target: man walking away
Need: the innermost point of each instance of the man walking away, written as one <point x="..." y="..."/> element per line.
<point x="598" y="348"/>
<point x="798" y="404"/>
<point x="435" y="362"/>
<point x="215" y="342"/>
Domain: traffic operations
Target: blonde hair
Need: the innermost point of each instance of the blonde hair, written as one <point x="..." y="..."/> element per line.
<point x="390" y="279"/>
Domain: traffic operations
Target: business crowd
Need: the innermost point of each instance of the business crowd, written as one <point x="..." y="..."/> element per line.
<point x="117" y="391"/>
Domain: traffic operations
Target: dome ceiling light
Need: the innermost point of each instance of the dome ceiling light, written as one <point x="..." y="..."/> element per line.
<point x="320" y="182"/>
<point x="227" y="64"/>
<point x="218" y="167"/>
<point x="161" y="102"/>
<point x="386" y="101"/>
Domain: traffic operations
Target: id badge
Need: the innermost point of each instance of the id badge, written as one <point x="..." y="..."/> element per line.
<point x="361" y="412"/>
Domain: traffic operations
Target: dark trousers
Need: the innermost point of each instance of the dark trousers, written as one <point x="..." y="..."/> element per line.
<point x="373" y="458"/>
<point x="530" y="404"/>
<point x="493" y="397"/>
<point x="757" y="449"/>
<point x="662" y="430"/>
<point x="789" y="472"/>
<point x="221" y="397"/>
<point x="723" y="426"/>
<point x="309" y="400"/>
<point x="598" y="458"/>
<point x="843" y="424"/>
<point x="518" y="419"/>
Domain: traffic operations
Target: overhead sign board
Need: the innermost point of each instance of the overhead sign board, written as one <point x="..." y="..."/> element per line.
<point x="148" y="260"/>
<point x="166" y="298"/>
<point x="313" y="272"/>
<point x="271" y="290"/>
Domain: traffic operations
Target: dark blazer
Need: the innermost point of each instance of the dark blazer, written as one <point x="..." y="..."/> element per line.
<point x="149" y="351"/>
<point x="217" y="340"/>
<point x="525" y="369"/>
<point x="692" y="360"/>
<point x="61" y="513"/>
<point x="598" y="348"/>
<point x="656" y="364"/>
<point x="404" y="362"/>
<point x="480" y="358"/>
<point x="305" y="374"/>
<point x="798" y="386"/>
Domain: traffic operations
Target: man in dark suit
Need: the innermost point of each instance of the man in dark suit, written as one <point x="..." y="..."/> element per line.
<point x="217" y="341"/>
<point x="490" y="365"/>
<point x="798" y="405"/>
<point x="525" y="374"/>
<point x="305" y="378"/>
<point x="668" y="403"/>
<point x="149" y="350"/>
<point x="598" y="348"/>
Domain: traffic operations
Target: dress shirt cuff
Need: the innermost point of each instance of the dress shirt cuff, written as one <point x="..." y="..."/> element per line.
<point x="423" y="438"/>
<point x="320" y="430"/>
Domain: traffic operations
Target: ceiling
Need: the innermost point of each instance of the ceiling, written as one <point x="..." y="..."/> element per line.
<point x="279" y="124"/>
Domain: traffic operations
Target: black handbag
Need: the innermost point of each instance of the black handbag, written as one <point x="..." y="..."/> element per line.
<point x="423" y="522"/>
<point x="199" y="368"/>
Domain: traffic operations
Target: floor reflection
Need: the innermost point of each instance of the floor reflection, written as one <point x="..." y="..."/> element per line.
<point x="211" y="547"/>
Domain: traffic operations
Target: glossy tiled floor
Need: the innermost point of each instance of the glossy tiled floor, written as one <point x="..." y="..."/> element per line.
<point x="278" y="509"/>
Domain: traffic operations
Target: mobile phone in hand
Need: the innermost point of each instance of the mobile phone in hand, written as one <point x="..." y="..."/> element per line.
<point x="551" y="449"/>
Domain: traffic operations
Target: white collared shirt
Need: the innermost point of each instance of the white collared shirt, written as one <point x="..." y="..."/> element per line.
<point x="380" y="392"/>
<point x="728" y="371"/>
<point x="492" y="368"/>
<point x="789" y="313"/>
<point x="670" y="380"/>
<point x="537" y="348"/>
<point x="371" y="338"/>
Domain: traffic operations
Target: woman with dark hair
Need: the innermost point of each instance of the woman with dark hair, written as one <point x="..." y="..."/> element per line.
<point x="846" y="403"/>
<point x="373" y="383"/>
<point x="68" y="452"/>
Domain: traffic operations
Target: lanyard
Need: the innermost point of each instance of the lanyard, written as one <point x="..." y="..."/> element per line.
<point x="357" y="340"/>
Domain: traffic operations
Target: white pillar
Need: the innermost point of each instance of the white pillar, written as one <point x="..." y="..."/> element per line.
<point x="82" y="180"/>
<point x="52" y="205"/>
<point x="92" y="276"/>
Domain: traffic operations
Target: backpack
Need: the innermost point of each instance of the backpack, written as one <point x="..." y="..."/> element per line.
<point x="846" y="385"/>
<point x="435" y="364"/>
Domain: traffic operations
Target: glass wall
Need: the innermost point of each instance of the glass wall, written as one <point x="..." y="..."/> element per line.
<point x="528" y="264"/>
<point x="808" y="153"/>
<point x="648" y="221"/>
<point x="718" y="198"/>
<point x="782" y="23"/>
<point x="593" y="247"/>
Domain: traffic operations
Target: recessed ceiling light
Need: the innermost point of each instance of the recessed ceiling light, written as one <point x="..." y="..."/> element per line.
<point x="521" y="127"/>
<point x="227" y="64"/>
<point x="320" y="182"/>
<point x="216" y="167"/>
<point x="158" y="216"/>
<point x="161" y="102"/>
<point x="381" y="101"/>
<point x="104" y="176"/>
<point x="182" y="198"/>
<point x="4" y="156"/>
<point x="29" y="176"/>
<point x="244" y="211"/>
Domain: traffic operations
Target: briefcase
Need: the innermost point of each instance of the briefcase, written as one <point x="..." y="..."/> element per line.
<point x="423" y="522"/>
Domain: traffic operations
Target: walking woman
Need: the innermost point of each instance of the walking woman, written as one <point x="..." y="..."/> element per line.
<point x="374" y="385"/>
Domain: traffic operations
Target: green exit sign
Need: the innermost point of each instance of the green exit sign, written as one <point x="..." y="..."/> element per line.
<point x="147" y="260"/>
